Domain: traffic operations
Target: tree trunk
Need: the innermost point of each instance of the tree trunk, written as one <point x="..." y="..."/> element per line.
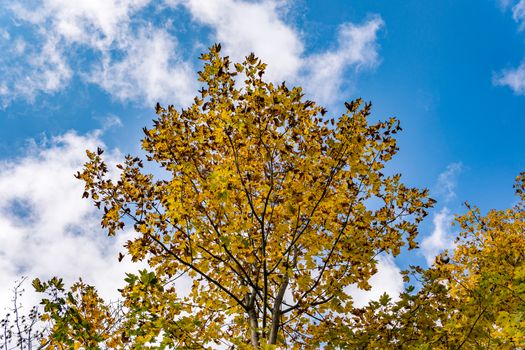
<point x="276" y="312"/>
<point x="254" y="332"/>
<point x="254" y="324"/>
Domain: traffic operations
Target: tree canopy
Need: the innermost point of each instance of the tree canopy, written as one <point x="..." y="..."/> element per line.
<point x="273" y="210"/>
<point x="266" y="207"/>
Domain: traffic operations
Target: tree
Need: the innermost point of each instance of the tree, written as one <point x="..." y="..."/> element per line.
<point x="68" y="319"/>
<point x="270" y="207"/>
<point x="473" y="300"/>
<point x="78" y="318"/>
<point x="19" y="330"/>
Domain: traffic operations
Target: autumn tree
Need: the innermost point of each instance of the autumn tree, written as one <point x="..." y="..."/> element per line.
<point x="271" y="208"/>
<point x="472" y="299"/>
<point x="67" y="318"/>
<point x="77" y="317"/>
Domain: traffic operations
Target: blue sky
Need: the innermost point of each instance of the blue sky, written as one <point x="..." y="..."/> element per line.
<point x="75" y="75"/>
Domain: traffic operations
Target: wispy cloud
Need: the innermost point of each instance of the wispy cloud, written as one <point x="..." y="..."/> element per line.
<point x="517" y="7"/>
<point x="518" y="13"/>
<point x="447" y="181"/>
<point x="110" y="121"/>
<point x="514" y="78"/>
<point x="357" y="47"/>
<point x="26" y="70"/>
<point x="129" y="58"/>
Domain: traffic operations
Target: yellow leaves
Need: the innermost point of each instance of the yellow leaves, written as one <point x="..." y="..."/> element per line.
<point x="251" y="258"/>
<point x="111" y="215"/>
<point x="519" y="273"/>
<point x="258" y="185"/>
<point x="78" y="318"/>
<point x="476" y="298"/>
<point x="136" y="249"/>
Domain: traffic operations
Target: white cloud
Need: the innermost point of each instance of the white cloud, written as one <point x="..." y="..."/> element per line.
<point x="518" y="14"/>
<point x="134" y="58"/>
<point x="110" y="121"/>
<point x="97" y="23"/>
<point x="513" y="78"/>
<point x="51" y="70"/>
<point x="25" y="70"/>
<point x="4" y="90"/>
<point x="357" y="47"/>
<point x="447" y="181"/>
<point x="388" y="279"/>
<point x="243" y="27"/>
<point x="150" y="63"/>
<point x="131" y="59"/>
<point x="19" y="46"/>
<point x="442" y="237"/>
<point x="5" y="34"/>
<point x="517" y="8"/>
<point x="47" y="229"/>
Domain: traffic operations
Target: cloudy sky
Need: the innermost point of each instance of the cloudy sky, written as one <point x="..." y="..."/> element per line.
<point x="82" y="74"/>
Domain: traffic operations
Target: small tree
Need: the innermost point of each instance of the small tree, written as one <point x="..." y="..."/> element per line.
<point x="270" y="207"/>
<point x="78" y="318"/>
<point x="19" y="330"/>
<point x="474" y="299"/>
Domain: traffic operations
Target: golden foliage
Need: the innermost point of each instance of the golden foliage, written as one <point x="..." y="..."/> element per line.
<point x="270" y="207"/>
<point x="473" y="300"/>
